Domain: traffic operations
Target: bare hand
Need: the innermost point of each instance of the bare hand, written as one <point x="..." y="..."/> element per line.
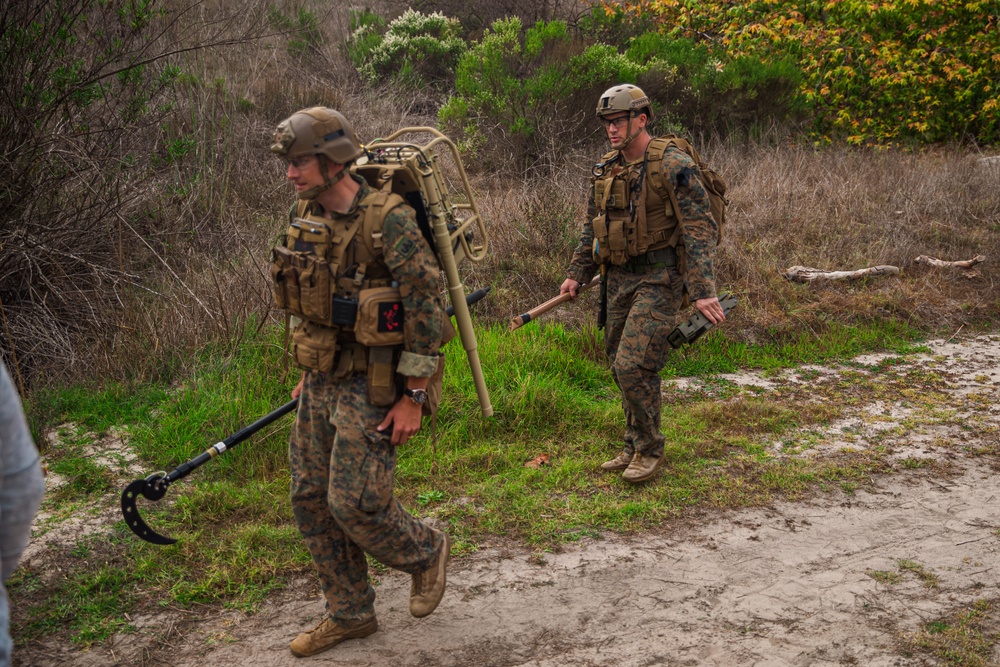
<point x="298" y="388"/>
<point x="711" y="308"/>
<point x="571" y="286"/>
<point x="404" y="418"/>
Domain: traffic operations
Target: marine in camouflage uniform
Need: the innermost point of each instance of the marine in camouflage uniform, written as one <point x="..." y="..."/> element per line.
<point x="342" y="452"/>
<point x="645" y="292"/>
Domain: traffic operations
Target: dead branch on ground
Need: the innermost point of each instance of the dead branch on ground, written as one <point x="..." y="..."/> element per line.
<point x="806" y="274"/>
<point x="965" y="264"/>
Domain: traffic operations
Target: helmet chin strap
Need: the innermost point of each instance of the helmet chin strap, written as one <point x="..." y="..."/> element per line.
<point x="628" y="132"/>
<point x="328" y="182"/>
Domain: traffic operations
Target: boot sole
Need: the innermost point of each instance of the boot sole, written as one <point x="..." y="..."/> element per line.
<point x="442" y="577"/>
<point x="356" y="633"/>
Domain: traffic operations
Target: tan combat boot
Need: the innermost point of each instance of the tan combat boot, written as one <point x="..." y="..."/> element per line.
<point x="328" y="634"/>
<point x="427" y="587"/>
<point x="641" y="468"/>
<point x="620" y="462"/>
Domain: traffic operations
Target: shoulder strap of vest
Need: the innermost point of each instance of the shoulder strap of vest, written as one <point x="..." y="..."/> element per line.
<point x="301" y="206"/>
<point x="657" y="179"/>
<point x="655" y="176"/>
<point x="378" y="204"/>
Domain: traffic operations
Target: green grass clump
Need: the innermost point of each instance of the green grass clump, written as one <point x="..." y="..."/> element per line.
<point x="552" y="393"/>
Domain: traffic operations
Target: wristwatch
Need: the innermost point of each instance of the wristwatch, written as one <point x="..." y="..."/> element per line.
<point x="418" y="396"/>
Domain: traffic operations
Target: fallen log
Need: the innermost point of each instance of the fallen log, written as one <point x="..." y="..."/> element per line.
<point x="965" y="265"/>
<point x="806" y="274"/>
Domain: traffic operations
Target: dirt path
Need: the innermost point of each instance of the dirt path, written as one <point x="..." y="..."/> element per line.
<point x="842" y="579"/>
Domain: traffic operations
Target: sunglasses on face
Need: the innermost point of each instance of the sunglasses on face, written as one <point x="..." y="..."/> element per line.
<point x="618" y="122"/>
<point x="300" y="162"/>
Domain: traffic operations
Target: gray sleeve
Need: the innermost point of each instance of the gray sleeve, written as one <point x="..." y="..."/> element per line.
<point x="21" y="481"/>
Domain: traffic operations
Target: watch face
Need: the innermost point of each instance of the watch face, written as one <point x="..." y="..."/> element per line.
<point x="418" y="395"/>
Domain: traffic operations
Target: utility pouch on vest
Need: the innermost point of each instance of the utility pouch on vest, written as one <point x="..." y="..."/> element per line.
<point x="309" y="236"/>
<point x="381" y="376"/>
<point x="284" y="279"/>
<point x="314" y="347"/>
<point x="314" y="290"/>
<point x="615" y="191"/>
<point x="380" y="317"/>
<point x="613" y="224"/>
<point x="602" y="255"/>
<point x="617" y="241"/>
<point x="301" y="276"/>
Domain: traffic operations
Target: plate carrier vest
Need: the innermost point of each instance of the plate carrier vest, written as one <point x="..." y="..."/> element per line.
<point x="332" y="276"/>
<point x="625" y="226"/>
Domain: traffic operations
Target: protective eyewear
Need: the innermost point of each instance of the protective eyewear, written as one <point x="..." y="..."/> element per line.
<point x="301" y="161"/>
<point x="618" y="122"/>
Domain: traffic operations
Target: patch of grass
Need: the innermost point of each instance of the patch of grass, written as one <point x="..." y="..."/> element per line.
<point x="237" y="538"/>
<point x="915" y="463"/>
<point x="929" y="579"/>
<point x="965" y="638"/>
<point x="885" y="576"/>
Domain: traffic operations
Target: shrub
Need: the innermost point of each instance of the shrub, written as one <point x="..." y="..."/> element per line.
<point x="303" y="30"/>
<point x="705" y="91"/>
<point x="523" y="98"/>
<point x="897" y="71"/>
<point x="415" y="49"/>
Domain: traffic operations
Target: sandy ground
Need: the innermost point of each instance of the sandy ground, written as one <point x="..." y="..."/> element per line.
<point x="789" y="584"/>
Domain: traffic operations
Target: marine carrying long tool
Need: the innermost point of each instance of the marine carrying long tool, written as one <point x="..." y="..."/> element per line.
<point x="446" y="212"/>
<point x="542" y="308"/>
<point x="688" y="332"/>
<point x="154" y="487"/>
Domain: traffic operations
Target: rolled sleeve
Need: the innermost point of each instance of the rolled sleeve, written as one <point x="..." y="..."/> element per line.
<point x="417" y="365"/>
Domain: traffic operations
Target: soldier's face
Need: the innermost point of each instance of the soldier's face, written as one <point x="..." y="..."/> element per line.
<point x="304" y="172"/>
<point x="618" y="127"/>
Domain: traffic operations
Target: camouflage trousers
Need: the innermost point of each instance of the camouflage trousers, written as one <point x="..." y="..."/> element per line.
<point x="642" y="308"/>
<point x="342" y="478"/>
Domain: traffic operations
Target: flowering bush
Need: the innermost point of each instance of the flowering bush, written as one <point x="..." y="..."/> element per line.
<point x="881" y="72"/>
<point x="416" y="49"/>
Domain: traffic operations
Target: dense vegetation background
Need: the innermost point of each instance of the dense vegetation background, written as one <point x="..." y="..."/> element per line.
<point x="139" y="201"/>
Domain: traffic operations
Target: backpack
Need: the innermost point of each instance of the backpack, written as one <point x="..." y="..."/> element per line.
<point x="714" y="183"/>
<point x="446" y="214"/>
<point x="414" y="172"/>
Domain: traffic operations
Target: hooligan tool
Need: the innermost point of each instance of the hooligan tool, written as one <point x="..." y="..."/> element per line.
<point x="154" y="487"/>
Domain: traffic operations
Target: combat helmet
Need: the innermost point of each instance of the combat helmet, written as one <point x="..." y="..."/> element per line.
<point x="322" y="132"/>
<point x="625" y="97"/>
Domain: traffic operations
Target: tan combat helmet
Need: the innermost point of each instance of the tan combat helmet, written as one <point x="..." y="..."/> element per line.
<point x="625" y="97"/>
<point x="322" y="132"/>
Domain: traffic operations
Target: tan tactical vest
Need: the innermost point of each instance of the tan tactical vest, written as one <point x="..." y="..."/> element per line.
<point x="637" y="207"/>
<point x="332" y="276"/>
<point x="632" y="219"/>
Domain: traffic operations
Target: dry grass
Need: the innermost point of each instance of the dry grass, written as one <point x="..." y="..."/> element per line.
<point x="185" y="255"/>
